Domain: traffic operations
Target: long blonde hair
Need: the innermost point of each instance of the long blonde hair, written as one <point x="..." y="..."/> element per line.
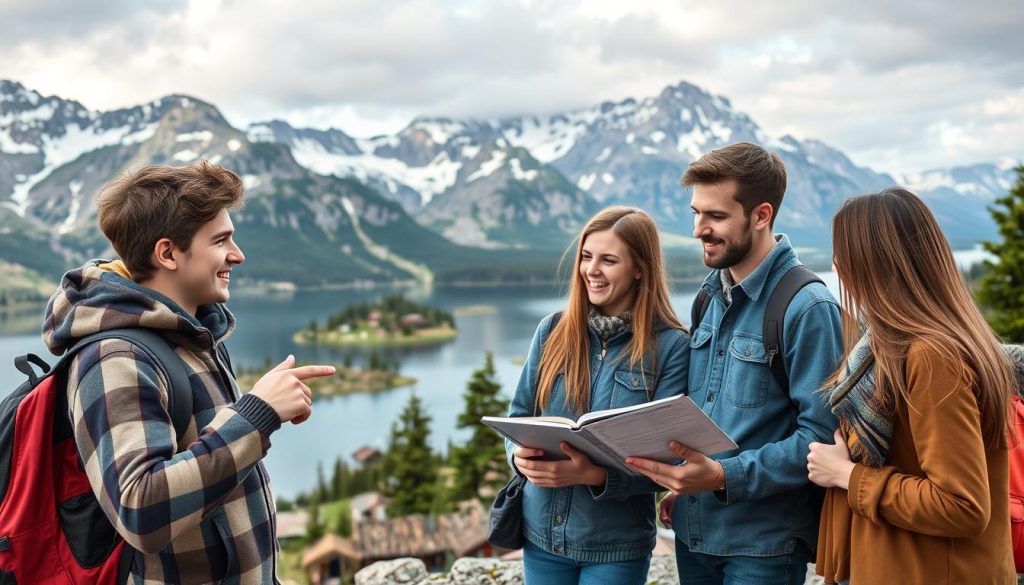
<point x="898" y="275"/>
<point x="567" y="349"/>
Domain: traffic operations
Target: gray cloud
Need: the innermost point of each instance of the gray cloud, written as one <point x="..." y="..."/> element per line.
<point x="891" y="83"/>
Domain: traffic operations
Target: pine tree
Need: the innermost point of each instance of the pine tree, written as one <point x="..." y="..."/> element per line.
<point x="323" y="492"/>
<point x="485" y="450"/>
<point x="314" y="526"/>
<point x="411" y="465"/>
<point x="1001" y="290"/>
<point x="343" y="520"/>
<point x="339" y="480"/>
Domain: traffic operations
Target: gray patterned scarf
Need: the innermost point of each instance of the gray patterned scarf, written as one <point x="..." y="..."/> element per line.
<point x="865" y="418"/>
<point x="607" y="327"/>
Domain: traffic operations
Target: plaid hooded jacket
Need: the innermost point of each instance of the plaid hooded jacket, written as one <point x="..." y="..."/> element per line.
<point x="198" y="511"/>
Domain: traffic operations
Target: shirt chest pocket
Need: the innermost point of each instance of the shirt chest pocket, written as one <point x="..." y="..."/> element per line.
<point x="632" y="386"/>
<point x="746" y="380"/>
<point x="700" y="358"/>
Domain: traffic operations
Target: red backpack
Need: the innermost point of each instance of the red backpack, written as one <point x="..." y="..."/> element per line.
<point x="1017" y="484"/>
<point x="52" y="530"/>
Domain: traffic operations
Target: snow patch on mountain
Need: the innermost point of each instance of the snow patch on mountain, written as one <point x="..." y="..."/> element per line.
<point x="74" y="142"/>
<point x="75" y="187"/>
<point x="489" y="166"/>
<point x="518" y="172"/>
<point x="428" y="180"/>
<point x="203" y="136"/>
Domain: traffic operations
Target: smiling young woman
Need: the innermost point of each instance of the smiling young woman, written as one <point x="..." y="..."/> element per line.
<point x="617" y="343"/>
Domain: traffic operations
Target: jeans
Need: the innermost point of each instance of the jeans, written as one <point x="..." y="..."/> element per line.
<point x="543" y="568"/>
<point x="704" y="569"/>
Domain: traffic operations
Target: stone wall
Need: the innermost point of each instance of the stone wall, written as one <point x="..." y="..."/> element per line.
<point x="470" y="571"/>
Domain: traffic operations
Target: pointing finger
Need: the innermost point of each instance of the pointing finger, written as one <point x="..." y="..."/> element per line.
<point x="307" y="372"/>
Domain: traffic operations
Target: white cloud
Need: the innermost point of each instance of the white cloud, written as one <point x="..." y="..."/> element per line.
<point x="876" y="79"/>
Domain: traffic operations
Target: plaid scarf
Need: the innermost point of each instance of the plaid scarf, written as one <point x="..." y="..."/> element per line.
<point x="862" y="413"/>
<point x="864" y="417"/>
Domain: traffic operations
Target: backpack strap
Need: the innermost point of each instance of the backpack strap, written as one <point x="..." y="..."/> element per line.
<point x="164" y="358"/>
<point x="795" y="279"/>
<point x="179" y="393"/>
<point x="699" y="308"/>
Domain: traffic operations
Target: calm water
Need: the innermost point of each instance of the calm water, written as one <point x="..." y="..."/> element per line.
<point x="341" y="425"/>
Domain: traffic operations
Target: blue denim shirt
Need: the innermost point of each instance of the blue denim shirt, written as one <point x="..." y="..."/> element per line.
<point x="767" y="501"/>
<point x="614" y="523"/>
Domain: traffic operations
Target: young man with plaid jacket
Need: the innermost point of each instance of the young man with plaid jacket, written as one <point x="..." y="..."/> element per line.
<point x="196" y="508"/>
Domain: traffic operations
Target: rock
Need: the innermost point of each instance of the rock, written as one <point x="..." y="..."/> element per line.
<point x="663" y="571"/>
<point x="470" y="571"/>
<point x="405" y="571"/>
<point x="493" y="571"/>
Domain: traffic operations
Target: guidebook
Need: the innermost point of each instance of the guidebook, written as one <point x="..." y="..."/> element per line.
<point x="609" y="436"/>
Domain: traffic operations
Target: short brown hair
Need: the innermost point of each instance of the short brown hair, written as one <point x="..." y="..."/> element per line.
<point x="142" y="206"/>
<point x="760" y="174"/>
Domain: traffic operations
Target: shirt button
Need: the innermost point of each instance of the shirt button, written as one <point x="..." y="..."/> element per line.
<point x="556" y="548"/>
<point x="711" y="397"/>
<point x="721" y="353"/>
<point x="693" y="499"/>
<point x="558" y="519"/>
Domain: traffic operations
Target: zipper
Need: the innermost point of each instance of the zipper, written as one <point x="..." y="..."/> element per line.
<point x="264" y="480"/>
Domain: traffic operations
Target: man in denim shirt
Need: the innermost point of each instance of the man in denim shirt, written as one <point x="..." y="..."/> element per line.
<point x="749" y="515"/>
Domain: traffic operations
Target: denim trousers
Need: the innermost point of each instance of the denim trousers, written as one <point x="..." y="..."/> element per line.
<point x="543" y="568"/>
<point x="705" y="569"/>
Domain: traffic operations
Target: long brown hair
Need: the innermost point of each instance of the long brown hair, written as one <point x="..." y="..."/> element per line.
<point x="898" y="275"/>
<point x="567" y="349"/>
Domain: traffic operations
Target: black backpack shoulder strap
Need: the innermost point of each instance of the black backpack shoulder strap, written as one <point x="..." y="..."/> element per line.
<point x="160" y="351"/>
<point x="795" y="279"/>
<point x="699" y="308"/>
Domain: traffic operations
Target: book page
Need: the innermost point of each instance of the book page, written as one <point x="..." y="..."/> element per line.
<point x="597" y="415"/>
<point x="646" y="432"/>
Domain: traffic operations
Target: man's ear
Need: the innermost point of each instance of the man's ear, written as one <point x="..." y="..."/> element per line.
<point x="762" y="216"/>
<point x="166" y="254"/>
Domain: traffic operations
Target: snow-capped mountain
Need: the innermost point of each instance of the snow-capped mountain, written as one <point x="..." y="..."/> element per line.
<point x="377" y="208"/>
<point x="960" y="197"/>
<point x="630" y="152"/>
<point x="55" y="156"/>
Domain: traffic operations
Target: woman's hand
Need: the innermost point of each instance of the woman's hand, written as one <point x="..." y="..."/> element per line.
<point x="578" y="470"/>
<point x="830" y="465"/>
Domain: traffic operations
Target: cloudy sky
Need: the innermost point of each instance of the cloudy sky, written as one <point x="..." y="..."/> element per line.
<point x="900" y="86"/>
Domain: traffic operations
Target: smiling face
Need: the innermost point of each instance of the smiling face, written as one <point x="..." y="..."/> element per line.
<point x="721" y="225"/>
<point x="204" y="272"/>
<point x="608" y="272"/>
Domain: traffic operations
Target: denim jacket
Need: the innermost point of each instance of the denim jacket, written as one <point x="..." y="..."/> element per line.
<point x="614" y="523"/>
<point x="767" y="502"/>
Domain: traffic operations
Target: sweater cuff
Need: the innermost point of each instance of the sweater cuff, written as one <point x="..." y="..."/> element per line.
<point x="855" y="490"/>
<point x="259" y="414"/>
<point x="616" y="486"/>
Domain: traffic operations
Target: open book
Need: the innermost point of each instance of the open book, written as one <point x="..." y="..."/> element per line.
<point x="609" y="436"/>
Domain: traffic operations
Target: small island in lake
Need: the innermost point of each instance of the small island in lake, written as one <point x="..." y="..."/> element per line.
<point x="379" y="376"/>
<point x="392" y="321"/>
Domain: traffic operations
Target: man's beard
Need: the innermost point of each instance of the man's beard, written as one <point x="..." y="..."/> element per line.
<point x="733" y="254"/>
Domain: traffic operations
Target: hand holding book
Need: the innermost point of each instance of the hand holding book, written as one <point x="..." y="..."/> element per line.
<point x="578" y="470"/>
